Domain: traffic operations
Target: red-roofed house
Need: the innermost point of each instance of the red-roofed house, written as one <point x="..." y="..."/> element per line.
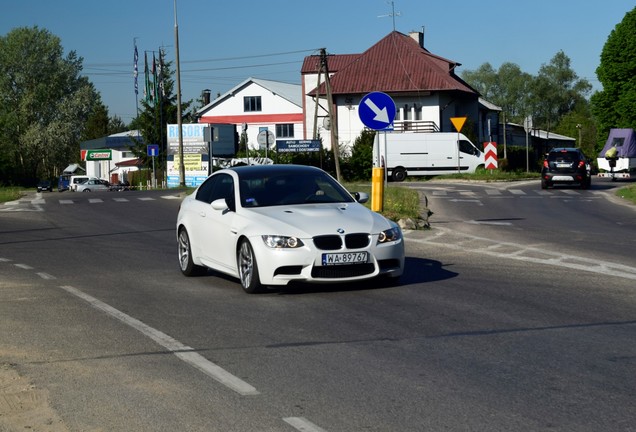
<point x="424" y="87"/>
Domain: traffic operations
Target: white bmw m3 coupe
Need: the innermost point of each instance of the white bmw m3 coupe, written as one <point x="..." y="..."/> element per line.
<point x="273" y="224"/>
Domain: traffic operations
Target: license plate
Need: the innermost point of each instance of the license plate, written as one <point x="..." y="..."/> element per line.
<point x="563" y="165"/>
<point x="344" y="258"/>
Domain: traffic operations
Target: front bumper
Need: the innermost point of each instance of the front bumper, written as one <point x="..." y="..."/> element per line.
<point x="281" y="266"/>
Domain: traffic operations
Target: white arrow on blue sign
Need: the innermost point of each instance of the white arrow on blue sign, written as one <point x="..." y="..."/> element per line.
<point x="377" y="111"/>
<point x="153" y="149"/>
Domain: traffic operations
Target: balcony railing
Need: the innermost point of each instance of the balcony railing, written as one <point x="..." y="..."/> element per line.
<point x="415" y="126"/>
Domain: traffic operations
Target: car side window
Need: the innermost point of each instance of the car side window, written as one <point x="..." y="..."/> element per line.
<point x="467" y="147"/>
<point x="215" y="187"/>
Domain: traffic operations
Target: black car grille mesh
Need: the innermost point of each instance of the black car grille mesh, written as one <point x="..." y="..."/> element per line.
<point x="335" y="242"/>
<point x="342" y="271"/>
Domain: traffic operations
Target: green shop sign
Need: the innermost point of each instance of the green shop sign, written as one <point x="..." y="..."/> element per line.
<point x="95" y="155"/>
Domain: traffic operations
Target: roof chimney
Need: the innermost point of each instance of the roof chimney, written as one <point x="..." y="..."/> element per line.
<point x="419" y="37"/>
<point x="206" y="97"/>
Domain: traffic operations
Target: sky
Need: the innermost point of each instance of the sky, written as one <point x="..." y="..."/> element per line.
<point x="223" y="43"/>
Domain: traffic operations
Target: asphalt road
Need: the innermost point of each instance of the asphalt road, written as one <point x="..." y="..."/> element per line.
<point x="517" y="311"/>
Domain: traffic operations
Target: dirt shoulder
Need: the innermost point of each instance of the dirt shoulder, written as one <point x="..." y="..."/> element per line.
<point x="23" y="406"/>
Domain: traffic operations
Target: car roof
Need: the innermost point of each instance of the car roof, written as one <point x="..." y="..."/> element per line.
<point x="276" y="169"/>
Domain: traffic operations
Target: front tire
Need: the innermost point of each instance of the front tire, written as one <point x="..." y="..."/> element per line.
<point x="186" y="264"/>
<point x="248" y="268"/>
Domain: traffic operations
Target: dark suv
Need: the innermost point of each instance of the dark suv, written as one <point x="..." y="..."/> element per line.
<point x="566" y="166"/>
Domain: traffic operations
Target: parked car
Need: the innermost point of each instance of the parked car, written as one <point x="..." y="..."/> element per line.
<point x="566" y="165"/>
<point x="274" y="224"/>
<point x="75" y="180"/>
<point x="93" y="185"/>
<point x="45" y="185"/>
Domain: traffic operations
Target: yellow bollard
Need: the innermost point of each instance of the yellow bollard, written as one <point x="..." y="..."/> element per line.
<point x="377" y="189"/>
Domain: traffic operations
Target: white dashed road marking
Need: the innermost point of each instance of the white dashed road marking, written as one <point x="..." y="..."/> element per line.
<point x="184" y="352"/>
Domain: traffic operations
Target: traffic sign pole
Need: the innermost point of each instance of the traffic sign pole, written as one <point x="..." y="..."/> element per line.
<point x="377" y="112"/>
<point x="458" y="122"/>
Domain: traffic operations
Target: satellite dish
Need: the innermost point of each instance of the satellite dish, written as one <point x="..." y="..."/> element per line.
<point x="326" y="123"/>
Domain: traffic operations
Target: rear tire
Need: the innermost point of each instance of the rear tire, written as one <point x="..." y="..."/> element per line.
<point x="398" y="174"/>
<point x="587" y="183"/>
<point x="544" y="184"/>
<point x="248" y="268"/>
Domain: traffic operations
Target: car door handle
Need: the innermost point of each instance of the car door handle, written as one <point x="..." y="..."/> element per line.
<point x="202" y="214"/>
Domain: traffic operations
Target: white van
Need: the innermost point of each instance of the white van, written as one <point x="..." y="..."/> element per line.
<point x="77" y="179"/>
<point x="405" y="154"/>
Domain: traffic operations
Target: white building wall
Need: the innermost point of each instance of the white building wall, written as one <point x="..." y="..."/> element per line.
<point x="274" y="108"/>
<point x="104" y="169"/>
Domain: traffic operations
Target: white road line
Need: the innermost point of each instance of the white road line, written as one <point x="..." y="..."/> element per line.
<point x="146" y="199"/>
<point x="493" y="192"/>
<point x="526" y="253"/>
<point x="24" y="266"/>
<point x="5" y="260"/>
<point x="95" y="200"/>
<point x="517" y="192"/>
<point x="170" y="197"/>
<point x="120" y="199"/>
<point x="476" y="222"/>
<point x="302" y="424"/>
<point x="45" y="276"/>
<point x="66" y="201"/>
<point x="184" y="352"/>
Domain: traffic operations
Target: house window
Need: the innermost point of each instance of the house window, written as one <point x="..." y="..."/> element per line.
<point x="285" y="130"/>
<point x="252" y="103"/>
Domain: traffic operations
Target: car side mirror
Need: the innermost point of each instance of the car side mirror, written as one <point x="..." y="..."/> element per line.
<point x="361" y="197"/>
<point x="219" y="204"/>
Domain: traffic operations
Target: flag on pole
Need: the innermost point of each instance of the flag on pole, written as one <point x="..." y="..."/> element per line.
<point x="147" y="86"/>
<point x="135" y="71"/>
<point x="162" y="90"/>
<point x="155" y="84"/>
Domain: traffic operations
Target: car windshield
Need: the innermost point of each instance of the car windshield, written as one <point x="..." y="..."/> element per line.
<point x="287" y="188"/>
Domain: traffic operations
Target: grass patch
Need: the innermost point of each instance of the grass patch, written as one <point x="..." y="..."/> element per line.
<point x="11" y="193"/>
<point x="399" y="202"/>
<point x="628" y="193"/>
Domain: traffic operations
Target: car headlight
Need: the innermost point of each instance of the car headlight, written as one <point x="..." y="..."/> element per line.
<point x="392" y="234"/>
<point x="281" y="242"/>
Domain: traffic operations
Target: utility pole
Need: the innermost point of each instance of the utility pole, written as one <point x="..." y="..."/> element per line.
<point x="176" y="42"/>
<point x="334" y="124"/>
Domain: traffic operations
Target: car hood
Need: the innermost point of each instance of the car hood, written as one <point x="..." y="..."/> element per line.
<point x="309" y="220"/>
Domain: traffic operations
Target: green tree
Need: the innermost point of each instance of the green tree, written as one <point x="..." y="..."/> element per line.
<point x="97" y="123"/>
<point x="44" y="105"/>
<point x="507" y="87"/>
<point x="556" y="91"/>
<point x="360" y="163"/>
<point x="615" y="105"/>
<point x="116" y="125"/>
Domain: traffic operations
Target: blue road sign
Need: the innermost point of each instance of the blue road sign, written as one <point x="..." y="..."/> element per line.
<point x="153" y="149"/>
<point x="377" y="111"/>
